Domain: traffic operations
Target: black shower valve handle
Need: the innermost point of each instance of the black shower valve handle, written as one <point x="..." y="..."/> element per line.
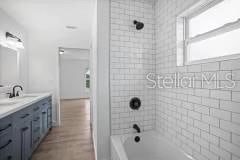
<point x="135" y="103"/>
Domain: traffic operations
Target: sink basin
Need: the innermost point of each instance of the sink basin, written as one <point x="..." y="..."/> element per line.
<point x="15" y="100"/>
<point x="26" y="96"/>
<point x="7" y="102"/>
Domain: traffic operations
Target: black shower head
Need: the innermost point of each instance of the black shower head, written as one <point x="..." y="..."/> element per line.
<point x="139" y="25"/>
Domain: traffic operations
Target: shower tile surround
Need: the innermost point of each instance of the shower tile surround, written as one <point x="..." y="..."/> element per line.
<point x="204" y="122"/>
<point x="132" y="57"/>
<point x="201" y="120"/>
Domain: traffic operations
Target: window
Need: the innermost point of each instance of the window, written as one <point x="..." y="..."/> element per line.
<point x="211" y="30"/>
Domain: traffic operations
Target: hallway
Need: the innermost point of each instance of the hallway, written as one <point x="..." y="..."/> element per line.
<point x="72" y="140"/>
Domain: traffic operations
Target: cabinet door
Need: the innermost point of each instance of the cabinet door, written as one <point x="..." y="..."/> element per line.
<point x="44" y="122"/>
<point x="22" y="135"/>
<point x="26" y="140"/>
<point x="23" y="141"/>
<point x="36" y="130"/>
<point x="6" y="138"/>
<point x="17" y="142"/>
<point x="49" y="117"/>
<point x="6" y="148"/>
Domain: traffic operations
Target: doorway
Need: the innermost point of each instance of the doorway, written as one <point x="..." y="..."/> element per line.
<point x="72" y="139"/>
<point x="74" y="73"/>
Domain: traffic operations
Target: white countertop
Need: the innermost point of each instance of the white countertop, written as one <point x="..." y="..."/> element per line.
<point x="21" y="103"/>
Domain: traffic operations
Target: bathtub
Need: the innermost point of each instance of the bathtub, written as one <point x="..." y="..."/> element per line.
<point x="150" y="147"/>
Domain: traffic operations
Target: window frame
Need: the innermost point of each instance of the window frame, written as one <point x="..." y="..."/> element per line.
<point x="186" y="16"/>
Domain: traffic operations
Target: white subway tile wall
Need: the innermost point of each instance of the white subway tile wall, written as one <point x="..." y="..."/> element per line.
<point x="203" y="121"/>
<point x="206" y="121"/>
<point x="132" y="58"/>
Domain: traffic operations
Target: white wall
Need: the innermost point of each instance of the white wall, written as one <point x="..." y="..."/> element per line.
<point x="72" y="79"/>
<point x="10" y="25"/>
<point x="100" y="80"/>
<point x="44" y="63"/>
<point x="44" y="68"/>
<point x="93" y="86"/>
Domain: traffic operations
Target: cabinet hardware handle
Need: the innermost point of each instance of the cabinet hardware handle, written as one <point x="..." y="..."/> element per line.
<point x="44" y="112"/>
<point x="5" y="145"/>
<point x="5" y="128"/>
<point x="36" y="109"/>
<point x="24" y="129"/>
<point x="26" y="115"/>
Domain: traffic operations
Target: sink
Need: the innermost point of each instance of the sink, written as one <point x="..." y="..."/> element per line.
<point x="7" y="102"/>
<point x="27" y="96"/>
<point x="15" y="100"/>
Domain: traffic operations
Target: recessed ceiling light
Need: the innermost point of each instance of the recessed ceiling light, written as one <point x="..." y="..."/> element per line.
<point x="71" y="27"/>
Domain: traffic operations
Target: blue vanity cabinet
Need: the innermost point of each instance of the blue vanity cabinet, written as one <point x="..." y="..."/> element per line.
<point x="6" y="138"/>
<point x="36" y="126"/>
<point x="22" y="132"/>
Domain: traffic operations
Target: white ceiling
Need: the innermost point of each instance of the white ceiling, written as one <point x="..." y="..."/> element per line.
<point x="52" y="17"/>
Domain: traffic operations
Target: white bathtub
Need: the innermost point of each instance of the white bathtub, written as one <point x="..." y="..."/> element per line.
<point x="151" y="147"/>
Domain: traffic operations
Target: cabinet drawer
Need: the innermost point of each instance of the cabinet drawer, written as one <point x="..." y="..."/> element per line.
<point x="36" y="119"/>
<point x="5" y="139"/>
<point x="36" y="108"/>
<point x="6" y="125"/>
<point x="6" y="150"/>
<point x="23" y="115"/>
<point x="36" y="134"/>
<point x="44" y="103"/>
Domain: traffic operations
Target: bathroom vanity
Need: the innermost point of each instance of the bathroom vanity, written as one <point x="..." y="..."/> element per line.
<point x="24" y="122"/>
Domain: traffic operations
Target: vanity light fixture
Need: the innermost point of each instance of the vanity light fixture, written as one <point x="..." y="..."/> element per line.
<point x="14" y="41"/>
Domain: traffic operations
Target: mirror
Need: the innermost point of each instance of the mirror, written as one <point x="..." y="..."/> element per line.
<point x="9" y="74"/>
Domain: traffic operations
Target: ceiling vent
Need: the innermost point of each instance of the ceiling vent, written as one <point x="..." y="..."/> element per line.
<point x="71" y="27"/>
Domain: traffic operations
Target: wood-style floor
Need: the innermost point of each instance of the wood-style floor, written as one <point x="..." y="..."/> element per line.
<point x="72" y="140"/>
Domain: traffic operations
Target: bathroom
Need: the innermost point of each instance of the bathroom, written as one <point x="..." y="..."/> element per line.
<point x="164" y="84"/>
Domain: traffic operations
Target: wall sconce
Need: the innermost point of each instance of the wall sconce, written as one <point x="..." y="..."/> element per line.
<point x="14" y="41"/>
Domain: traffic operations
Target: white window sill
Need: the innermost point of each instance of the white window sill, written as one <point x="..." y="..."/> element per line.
<point x="217" y="59"/>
